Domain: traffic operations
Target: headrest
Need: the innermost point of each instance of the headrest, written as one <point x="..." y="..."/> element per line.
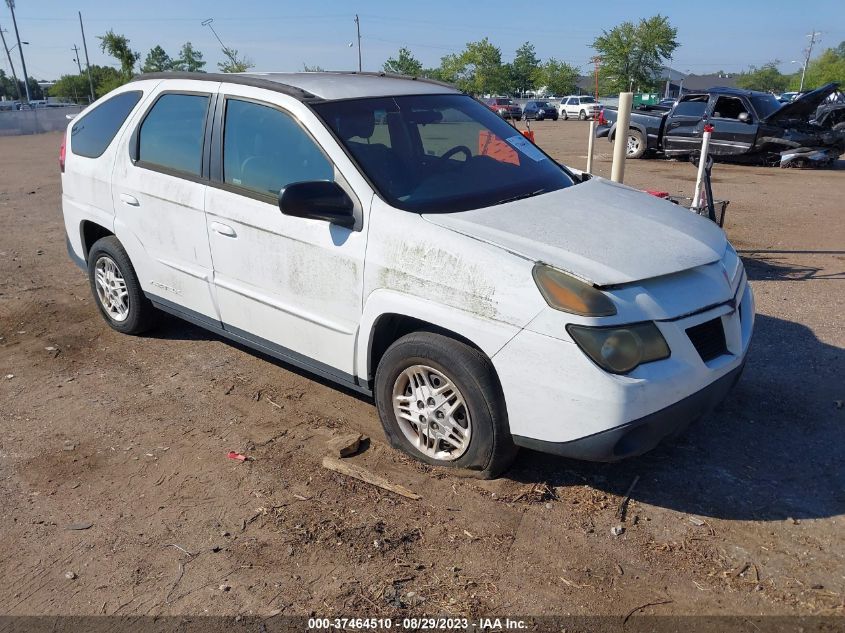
<point x="361" y="123"/>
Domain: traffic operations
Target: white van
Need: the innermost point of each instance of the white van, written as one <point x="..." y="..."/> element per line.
<point x="399" y="238"/>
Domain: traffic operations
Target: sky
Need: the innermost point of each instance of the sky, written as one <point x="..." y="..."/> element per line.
<point x="283" y="36"/>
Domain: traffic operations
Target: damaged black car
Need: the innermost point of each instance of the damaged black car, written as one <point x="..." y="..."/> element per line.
<point x="748" y="127"/>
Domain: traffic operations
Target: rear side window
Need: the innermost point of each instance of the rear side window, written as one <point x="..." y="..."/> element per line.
<point x="265" y="150"/>
<point x="173" y="132"/>
<point x="691" y="108"/>
<point x="91" y="135"/>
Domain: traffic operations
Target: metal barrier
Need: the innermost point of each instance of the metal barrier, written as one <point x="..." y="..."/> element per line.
<point x="37" y="121"/>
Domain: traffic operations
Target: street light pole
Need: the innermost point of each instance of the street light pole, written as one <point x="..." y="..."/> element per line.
<point x="11" y="5"/>
<point x="11" y="65"/>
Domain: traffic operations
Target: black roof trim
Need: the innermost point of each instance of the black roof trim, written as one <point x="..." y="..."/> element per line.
<point x="232" y="78"/>
<point x="727" y="90"/>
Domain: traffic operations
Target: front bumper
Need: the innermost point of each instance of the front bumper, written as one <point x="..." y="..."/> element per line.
<point x="560" y="402"/>
<point x="640" y="436"/>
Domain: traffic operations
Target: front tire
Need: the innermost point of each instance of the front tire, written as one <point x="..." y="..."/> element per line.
<point x="116" y="289"/>
<point x="439" y="400"/>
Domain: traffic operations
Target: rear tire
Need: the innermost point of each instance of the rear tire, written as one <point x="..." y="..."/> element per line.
<point x="466" y="426"/>
<point x="582" y="115"/>
<point x="565" y="116"/>
<point x="116" y="289"/>
<point x="635" y="145"/>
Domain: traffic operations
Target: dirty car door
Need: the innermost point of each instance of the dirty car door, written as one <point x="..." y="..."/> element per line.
<point x="732" y="135"/>
<point x="291" y="285"/>
<point x="683" y="125"/>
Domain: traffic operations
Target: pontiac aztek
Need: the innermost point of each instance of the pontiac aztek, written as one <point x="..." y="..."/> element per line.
<point x="396" y="236"/>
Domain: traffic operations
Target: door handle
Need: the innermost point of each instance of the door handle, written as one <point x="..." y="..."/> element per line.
<point x="132" y="201"/>
<point x="223" y="229"/>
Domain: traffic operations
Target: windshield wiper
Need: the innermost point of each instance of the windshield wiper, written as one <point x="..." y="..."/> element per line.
<point x="522" y="196"/>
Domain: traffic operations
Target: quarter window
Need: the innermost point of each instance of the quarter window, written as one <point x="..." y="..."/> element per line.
<point x="92" y="134"/>
<point x="265" y="150"/>
<point x="173" y="132"/>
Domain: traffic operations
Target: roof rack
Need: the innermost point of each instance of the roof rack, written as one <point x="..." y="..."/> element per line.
<point x="234" y="78"/>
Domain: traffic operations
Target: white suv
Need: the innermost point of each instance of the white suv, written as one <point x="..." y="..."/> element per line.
<point x="583" y="107"/>
<point x="399" y="238"/>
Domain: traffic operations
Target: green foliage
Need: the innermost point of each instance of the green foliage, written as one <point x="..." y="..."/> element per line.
<point x="477" y="69"/>
<point x="234" y="63"/>
<point x="157" y="61"/>
<point x="189" y="60"/>
<point x="72" y="87"/>
<point x="523" y="70"/>
<point x="118" y="47"/>
<point x="405" y="64"/>
<point x="558" y="77"/>
<point x="827" y="67"/>
<point x="633" y="55"/>
<point x="10" y="91"/>
<point x="766" y="78"/>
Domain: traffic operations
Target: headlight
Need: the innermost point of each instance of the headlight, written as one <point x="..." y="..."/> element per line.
<point x="564" y="292"/>
<point x="620" y="350"/>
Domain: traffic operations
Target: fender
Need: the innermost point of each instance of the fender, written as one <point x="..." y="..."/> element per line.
<point x="488" y="335"/>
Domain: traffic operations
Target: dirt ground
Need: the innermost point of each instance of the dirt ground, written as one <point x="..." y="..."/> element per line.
<point x="127" y="438"/>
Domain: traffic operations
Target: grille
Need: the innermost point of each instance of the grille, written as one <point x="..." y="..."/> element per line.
<point x="708" y="338"/>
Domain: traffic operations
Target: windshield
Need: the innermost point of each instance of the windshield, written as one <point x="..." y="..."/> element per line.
<point x="440" y="153"/>
<point x="544" y="104"/>
<point x="765" y="105"/>
<point x="504" y="102"/>
<point x="587" y="100"/>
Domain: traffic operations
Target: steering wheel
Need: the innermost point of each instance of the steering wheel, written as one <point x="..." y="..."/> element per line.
<point x="458" y="149"/>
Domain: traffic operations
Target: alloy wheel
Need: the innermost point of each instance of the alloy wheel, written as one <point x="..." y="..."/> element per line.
<point x="111" y="288"/>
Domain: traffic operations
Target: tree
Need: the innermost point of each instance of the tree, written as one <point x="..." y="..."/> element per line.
<point x="766" y="78"/>
<point x="827" y="67"/>
<point x="189" y="60"/>
<point x="233" y="63"/>
<point x="157" y="61"/>
<point x="477" y="69"/>
<point x="557" y="77"/>
<point x="118" y="47"/>
<point x="524" y="66"/>
<point x="405" y="64"/>
<point x="633" y="55"/>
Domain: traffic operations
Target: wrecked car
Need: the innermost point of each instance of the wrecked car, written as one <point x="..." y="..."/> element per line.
<point x="831" y="113"/>
<point x="748" y="126"/>
<point x="396" y="237"/>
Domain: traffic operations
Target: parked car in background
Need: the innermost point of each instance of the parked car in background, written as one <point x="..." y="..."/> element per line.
<point x="539" y="110"/>
<point x="786" y="97"/>
<point x="583" y="107"/>
<point x="504" y="107"/>
<point x="748" y="126"/>
<point x="398" y="238"/>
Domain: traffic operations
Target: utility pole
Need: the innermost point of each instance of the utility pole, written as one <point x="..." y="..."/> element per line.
<point x="87" y="63"/>
<point x="809" y="51"/>
<point x="358" y="27"/>
<point x="75" y="50"/>
<point x="11" y="65"/>
<point x="597" y="60"/>
<point x="11" y="5"/>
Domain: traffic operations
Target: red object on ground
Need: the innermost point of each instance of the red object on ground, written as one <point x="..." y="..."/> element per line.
<point x="237" y="456"/>
<point x="529" y="134"/>
<point x="657" y="194"/>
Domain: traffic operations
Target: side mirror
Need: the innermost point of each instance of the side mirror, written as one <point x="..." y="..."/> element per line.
<point x="318" y="200"/>
<point x="744" y="117"/>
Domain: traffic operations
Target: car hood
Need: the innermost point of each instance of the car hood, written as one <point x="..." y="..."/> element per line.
<point x="804" y="107"/>
<point x="599" y="231"/>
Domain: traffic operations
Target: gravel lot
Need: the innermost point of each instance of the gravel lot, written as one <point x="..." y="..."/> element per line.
<point x="127" y="438"/>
